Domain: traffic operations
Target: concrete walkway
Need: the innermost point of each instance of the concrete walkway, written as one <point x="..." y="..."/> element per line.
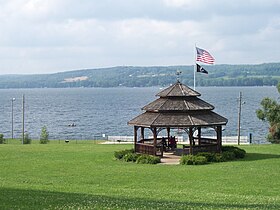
<point x="170" y="159"/>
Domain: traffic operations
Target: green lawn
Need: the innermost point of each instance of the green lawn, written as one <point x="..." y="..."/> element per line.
<point x="86" y="176"/>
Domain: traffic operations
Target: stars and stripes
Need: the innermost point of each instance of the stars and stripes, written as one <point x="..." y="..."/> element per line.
<point x="204" y="56"/>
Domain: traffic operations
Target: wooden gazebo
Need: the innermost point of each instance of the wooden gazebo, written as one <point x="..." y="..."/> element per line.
<point x="178" y="107"/>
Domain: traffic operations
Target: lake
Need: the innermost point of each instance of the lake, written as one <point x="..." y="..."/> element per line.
<point x="97" y="111"/>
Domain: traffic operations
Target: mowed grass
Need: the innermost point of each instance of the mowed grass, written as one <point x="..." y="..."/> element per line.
<point x="86" y="176"/>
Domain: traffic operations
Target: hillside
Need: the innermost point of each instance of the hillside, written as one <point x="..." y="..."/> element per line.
<point x="131" y="76"/>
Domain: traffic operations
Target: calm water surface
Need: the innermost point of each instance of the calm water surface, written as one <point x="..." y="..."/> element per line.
<point x="97" y="111"/>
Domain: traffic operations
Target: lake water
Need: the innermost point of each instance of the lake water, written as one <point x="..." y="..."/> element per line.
<point x="97" y="111"/>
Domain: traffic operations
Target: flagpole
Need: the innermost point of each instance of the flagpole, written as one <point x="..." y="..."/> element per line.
<point x="194" y="66"/>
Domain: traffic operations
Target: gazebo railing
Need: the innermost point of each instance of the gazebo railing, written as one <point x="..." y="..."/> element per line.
<point x="149" y="149"/>
<point x="144" y="148"/>
<point x="150" y="141"/>
<point x="206" y="141"/>
<point x="200" y="148"/>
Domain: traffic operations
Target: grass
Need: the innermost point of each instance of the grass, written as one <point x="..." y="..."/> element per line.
<point x="86" y="176"/>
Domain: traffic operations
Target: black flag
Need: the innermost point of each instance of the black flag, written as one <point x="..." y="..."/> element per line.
<point x="201" y="69"/>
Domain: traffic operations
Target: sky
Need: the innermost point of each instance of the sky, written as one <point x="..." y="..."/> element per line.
<point x="48" y="36"/>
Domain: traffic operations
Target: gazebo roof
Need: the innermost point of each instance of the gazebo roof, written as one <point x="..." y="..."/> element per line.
<point x="178" y="89"/>
<point x="175" y="120"/>
<point x="178" y="106"/>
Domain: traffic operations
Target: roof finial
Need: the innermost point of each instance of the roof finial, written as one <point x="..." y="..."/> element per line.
<point x="178" y="73"/>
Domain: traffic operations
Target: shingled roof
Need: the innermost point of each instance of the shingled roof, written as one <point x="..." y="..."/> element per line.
<point x="178" y="89"/>
<point x="178" y="106"/>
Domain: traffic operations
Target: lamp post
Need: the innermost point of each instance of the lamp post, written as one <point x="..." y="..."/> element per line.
<point x="240" y="103"/>
<point x="13" y="99"/>
<point x="23" y="102"/>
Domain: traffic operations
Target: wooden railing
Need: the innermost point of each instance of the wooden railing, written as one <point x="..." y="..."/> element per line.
<point x="151" y="141"/>
<point x="206" y="141"/>
<point x="149" y="149"/>
<point x="144" y="148"/>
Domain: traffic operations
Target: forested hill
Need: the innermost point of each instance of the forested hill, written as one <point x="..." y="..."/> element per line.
<point x="130" y="76"/>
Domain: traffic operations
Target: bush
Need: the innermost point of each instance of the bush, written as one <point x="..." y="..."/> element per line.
<point x="193" y="160"/>
<point x="2" y="140"/>
<point x="200" y="160"/>
<point x="26" y="139"/>
<point x="130" y="157"/>
<point x="186" y="160"/>
<point x="228" y="155"/>
<point x="148" y="159"/>
<point x="238" y="153"/>
<point x="120" y="154"/>
<point x="210" y="156"/>
<point x="44" y="137"/>
<point x="218" y="158"/>
<point x="227" y="148"/>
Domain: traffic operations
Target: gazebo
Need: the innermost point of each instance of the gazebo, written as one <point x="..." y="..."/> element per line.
<point x="178" y="107"/>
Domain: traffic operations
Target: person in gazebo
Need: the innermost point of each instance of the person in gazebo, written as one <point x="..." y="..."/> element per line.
<point x="164" y="144"/>
<point x="172" y="143"/>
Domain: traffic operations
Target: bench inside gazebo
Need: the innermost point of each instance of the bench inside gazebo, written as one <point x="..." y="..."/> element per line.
<point x="178" y="107"/>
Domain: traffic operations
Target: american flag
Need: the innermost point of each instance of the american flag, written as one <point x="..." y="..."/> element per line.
<point x="204" y="56"/>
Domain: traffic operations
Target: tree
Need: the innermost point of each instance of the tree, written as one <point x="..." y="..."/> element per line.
<point x="270" y="112"/>
<point x="2" y="140"/>
<point x="26" y="139"/>
<point x="44" y="137"/>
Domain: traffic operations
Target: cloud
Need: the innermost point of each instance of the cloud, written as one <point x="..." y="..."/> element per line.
<point x="39" y="36"/>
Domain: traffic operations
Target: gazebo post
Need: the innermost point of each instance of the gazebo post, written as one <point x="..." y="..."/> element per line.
<point x="219" y="138"/>
<point x="155" y="140"/>
<point x="135" y="137"/>
<point x="168" y="133"/>
<point x="142" y="133"/>
<point x="199" y="135"/>
<point x="191" y="139"/>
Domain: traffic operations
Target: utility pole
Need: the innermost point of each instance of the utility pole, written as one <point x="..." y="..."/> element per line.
<point x="23" y="101"/>
<point x="239" y="116"/>
<point x="13" y="99"/>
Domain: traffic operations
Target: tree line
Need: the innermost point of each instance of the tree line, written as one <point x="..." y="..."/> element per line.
<point x="133" y="76"/>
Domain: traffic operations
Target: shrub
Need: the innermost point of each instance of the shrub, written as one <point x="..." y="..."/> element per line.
<point x="228" y="155"/>
<point x="218" y="158"/>
<point x="200" y="160"/>
<point x="148" y="159"/>
<point x="154" y="160"/>
<point x="120" y="154"/>
<point x="186" y="160"/>
<point x="239" y="153"/>
<point x="210" y="156"/>
<point x="26" y="139"/>
<point x="130" y="157"/>
<point x="44" y="137"/>
<point x="2" y="140"/>
<point x="227" y="148"/>
<point x="193" y="160"/>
